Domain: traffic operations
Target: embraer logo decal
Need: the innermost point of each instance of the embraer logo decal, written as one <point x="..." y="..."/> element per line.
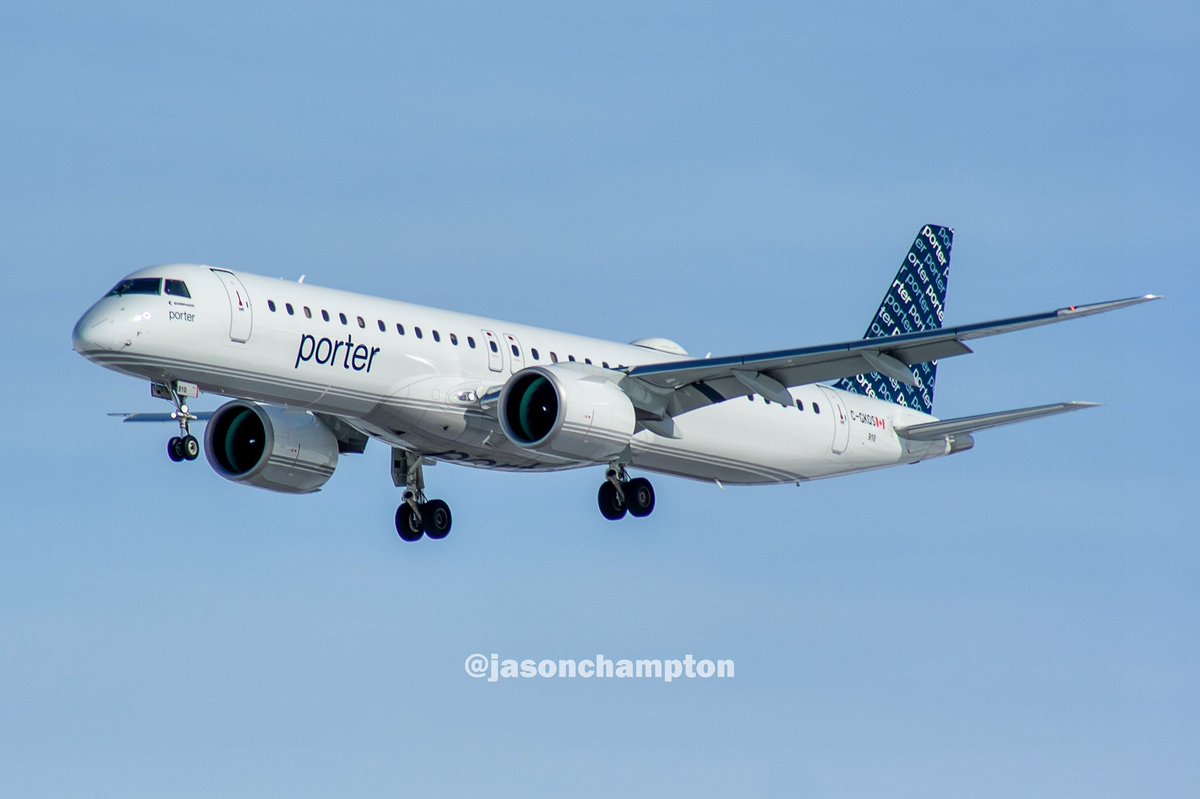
<point x="325" y="351"/>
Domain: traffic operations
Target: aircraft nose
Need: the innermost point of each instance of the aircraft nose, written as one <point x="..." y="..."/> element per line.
<point x="94" y="331"/>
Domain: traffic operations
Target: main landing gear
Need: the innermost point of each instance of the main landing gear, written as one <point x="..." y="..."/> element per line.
<point x="417" y="516"/>
<point x="185" y="446"/>
<point x="620" y="495"/>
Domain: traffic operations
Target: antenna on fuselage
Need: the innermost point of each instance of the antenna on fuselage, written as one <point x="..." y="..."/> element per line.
<point x="301" y="280"/>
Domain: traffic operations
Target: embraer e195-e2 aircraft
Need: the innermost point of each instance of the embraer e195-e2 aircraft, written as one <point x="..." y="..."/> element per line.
<point x="314" y="373"/>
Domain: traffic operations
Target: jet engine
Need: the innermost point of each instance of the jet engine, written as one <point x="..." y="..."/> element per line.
<point x="270" y="447"/>
<point x="568" y="410"/>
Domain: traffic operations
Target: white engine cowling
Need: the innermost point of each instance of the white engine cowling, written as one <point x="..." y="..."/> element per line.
<point x="568" y="410"/>
<point x="270" y="447"/>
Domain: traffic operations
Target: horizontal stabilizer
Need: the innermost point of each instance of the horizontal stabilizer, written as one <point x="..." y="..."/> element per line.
<point x="970" y="424"/>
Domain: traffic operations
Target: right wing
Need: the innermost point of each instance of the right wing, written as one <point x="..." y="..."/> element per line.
<point x="350" y="438"/>
<point x="200" y="416"/>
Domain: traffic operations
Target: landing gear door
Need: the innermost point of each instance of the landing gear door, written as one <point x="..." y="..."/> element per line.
<point x="841" y="423"/>
<point x="495" y="356"/>
<point x="241" y="318"/>
<point x="516" y="359"/>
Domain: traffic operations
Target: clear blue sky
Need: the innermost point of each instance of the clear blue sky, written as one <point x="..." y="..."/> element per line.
<point x="1019" y="620"/>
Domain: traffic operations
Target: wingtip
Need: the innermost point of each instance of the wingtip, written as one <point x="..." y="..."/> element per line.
<point x="1111" y="305"/>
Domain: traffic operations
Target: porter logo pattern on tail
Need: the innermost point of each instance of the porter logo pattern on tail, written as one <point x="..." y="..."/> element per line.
<point x="916" y="301"/>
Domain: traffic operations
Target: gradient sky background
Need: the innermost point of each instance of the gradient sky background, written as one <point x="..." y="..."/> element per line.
<point x="1018" y="620"/>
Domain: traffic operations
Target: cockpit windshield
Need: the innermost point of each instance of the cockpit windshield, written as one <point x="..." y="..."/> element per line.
<point x="137" y="285"/>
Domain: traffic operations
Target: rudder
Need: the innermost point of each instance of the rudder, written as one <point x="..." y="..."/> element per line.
<point x="915" y="301"/>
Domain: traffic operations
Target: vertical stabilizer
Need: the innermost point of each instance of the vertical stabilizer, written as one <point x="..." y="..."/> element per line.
<point x="915" y="301"/>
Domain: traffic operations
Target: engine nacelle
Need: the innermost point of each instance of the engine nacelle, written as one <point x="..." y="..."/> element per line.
<point x="270" y="447"/>
<point x="567" y="410"/>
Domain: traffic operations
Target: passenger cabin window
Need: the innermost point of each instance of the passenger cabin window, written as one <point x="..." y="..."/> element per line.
<point x="571" y="358"/>
<point x="418" y="333"/>
<point x="362" y="322"/>
<point x="291" y="311"/>
<point x="604" y="364"/>
<point x="138" y="285"/>
<point x="307" y="312"/>
<point x="588" y="361"/>
<point x="177" y="288"/>
<point x="271" y="305"/>
<point x="436" y="336"/>
<point x="533" y="351"/>
<point x="454" y="339"/>
<point x="800" y="405"/>
<point x="553" y="357"/>
<point x="325" y="314"/>
<point x="342" y="317"/>
<point x="471" y="342"/>
<point x="382" y="327"/>
<point x="816" y="408"/>
<point x="400" y="328"/>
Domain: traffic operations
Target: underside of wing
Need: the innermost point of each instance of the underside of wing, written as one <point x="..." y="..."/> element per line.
<point x="201" y="416"/>
<point x="350" y="439"/>
<point x="672" y="388"/>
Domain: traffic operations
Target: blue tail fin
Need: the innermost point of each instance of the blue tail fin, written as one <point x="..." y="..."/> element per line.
<point x="915" y="301"/>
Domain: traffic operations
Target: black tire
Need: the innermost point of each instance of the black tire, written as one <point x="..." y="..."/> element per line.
<point x="190" y="448"/>
<point x="436" y="519"/>
<point x="611" y="506"/>
<point x="639" y="496"/>
<point x="408" y="527"/>
<point x="175" y="449"/>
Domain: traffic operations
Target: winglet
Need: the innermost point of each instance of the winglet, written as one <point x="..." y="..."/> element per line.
<point x="1104" y="307"/>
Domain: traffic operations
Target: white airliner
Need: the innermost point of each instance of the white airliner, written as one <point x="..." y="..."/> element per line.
<point x="316" y="372"/>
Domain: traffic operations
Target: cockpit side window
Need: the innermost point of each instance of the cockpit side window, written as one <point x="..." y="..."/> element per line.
<point x="177" y="288"/>
<point x="137" y="285"/>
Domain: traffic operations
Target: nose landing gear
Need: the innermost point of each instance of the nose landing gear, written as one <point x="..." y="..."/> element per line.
<point x="185" y="446"/>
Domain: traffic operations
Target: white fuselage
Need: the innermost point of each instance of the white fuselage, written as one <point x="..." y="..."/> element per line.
<point x="419" y="389"/>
